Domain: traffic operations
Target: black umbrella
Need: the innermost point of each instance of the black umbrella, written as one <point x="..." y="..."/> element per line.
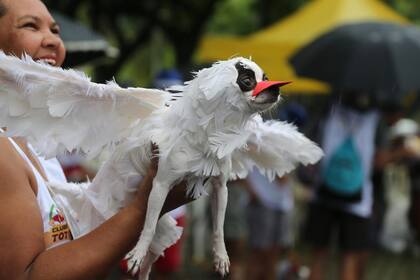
<point x="82" y="44"/>
<point x="382" y="58"/>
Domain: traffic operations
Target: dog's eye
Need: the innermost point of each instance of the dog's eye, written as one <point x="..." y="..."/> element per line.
<point x="246" y="78"/>
<point x="246" y="83"/>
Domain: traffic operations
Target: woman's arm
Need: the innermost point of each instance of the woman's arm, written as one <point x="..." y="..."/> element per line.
<point x="91" y="256"/>
<point x="22" y="249"/>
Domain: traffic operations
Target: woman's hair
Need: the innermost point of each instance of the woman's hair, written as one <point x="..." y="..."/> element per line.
<point x="2" y="9"/>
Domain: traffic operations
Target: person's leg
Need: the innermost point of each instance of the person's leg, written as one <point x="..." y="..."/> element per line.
<point x="271" y="258"/>
<point x="235" y="229"/>
<point x="362" y="264"/>
<point x="276" y="239"/>
<point x="318" y="264"/>
<point x="349" y="267"/>
<point x="236" y="250"/>
<point x="259" y="220"/>
<point x="414" y="211"/>
<point x="355" y="243"/>
<point x="353" y="265"/>
<point x="282" y="240"/>
<point x="319" y="225"/>
<point x="255" y="264"/>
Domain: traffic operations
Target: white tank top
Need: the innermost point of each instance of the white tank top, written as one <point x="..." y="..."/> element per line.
<point x="56" y="229"/>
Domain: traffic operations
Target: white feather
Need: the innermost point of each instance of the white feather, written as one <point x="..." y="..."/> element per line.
<point x="277" y="147"/>
<point x="61" y="110"/>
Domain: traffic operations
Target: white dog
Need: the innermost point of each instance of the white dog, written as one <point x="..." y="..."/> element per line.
<point x="210" y="133"/>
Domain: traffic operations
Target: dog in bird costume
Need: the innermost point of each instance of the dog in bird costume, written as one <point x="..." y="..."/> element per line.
<point x="208" y="131"/>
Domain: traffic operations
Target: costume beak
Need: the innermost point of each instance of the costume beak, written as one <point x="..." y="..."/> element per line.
<point x="267" y="84"/>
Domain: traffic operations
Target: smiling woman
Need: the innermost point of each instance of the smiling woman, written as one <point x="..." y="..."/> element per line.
<point x="27" y="27"/>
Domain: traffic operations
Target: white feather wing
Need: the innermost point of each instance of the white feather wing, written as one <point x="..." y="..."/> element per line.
<point x="60" y="110"/>
<point x="275" y="148"/>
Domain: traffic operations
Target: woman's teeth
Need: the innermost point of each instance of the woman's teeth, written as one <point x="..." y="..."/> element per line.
<point x="50" y="61"/>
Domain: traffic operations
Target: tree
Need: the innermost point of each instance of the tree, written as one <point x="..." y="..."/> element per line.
<point x="407" y="8"/>
<point x="130" y="25"/>
<point x="242" y="17"/>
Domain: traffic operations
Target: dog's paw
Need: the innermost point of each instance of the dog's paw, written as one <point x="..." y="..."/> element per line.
<point x="221" y="264"/>
<point x="134" y="261"/>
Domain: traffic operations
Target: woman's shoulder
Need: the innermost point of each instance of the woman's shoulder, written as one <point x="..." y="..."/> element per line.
<point x="8" y="152"/>
<point x="12" y="164"/>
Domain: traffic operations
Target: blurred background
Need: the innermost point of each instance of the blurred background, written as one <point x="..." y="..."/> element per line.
<point x="363" y="55"/>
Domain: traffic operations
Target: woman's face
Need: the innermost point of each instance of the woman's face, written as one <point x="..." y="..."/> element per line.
<point x="28" y="27"/>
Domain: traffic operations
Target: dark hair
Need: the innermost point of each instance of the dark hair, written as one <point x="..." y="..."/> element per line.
<point x="3" y="9"/>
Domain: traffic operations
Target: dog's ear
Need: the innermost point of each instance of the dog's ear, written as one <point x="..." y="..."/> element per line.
<point x="217" y="79"/>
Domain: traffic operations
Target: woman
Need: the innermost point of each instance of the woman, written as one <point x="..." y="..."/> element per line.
<point x="35" y="243"/>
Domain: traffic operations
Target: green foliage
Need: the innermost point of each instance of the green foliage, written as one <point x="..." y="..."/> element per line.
<point x="153" y="34"/>
<point x="132" y="25"/>
<point x="242" y="17"/>
<point x="234" y="17"/>
<point x="408" y="8"/>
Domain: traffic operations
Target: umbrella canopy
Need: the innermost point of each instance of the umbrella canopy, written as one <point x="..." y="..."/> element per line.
<point x="82" y="44"/>
<point x="272" y="46"/>
<point x="380" y="58"/>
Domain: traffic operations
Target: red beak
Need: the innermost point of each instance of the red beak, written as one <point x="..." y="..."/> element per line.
<point x="266" y="84"/>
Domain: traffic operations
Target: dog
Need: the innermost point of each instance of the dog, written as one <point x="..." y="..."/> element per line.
<point x="208" y="131"/>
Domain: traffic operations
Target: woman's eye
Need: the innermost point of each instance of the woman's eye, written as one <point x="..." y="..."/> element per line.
<point x="55" y="30"/>
<point x="30" y="25"/>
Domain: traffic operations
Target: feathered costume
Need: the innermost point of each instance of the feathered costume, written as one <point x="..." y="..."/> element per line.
<point x="211" y="132"/>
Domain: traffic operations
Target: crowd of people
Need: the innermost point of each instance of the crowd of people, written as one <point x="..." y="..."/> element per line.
<point x="347" y="202"/>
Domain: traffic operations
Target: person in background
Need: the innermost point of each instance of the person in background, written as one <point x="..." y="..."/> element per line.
<point x="393" y="134"/>
<point x="269" y="224"/>
<point x="342" y="200"/>
<point x="270" y="214"/>
<point x="35" y="240"/>
<point x="404" y="137"/>
<point x="236" y="228"/>
<point x="390" y="113"/>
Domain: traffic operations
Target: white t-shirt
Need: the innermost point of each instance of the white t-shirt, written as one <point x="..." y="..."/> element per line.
<point x="362" y="126"/>
<point x="274" y="194"/>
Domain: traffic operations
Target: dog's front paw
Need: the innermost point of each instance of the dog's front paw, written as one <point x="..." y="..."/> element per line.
<point x="134" y="260"/>
<point x="221" y="263"/>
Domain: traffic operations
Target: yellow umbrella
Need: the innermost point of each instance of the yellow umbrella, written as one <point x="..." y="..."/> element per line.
<point x="271" y="47"/>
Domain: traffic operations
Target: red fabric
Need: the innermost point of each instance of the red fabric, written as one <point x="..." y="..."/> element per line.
<point x="171" y="261"/>
<point x="124" y="266"/>
<point x="69" y="170"/>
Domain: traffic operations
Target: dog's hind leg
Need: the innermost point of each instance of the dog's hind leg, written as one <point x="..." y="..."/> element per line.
<point x="218" y="203"/>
